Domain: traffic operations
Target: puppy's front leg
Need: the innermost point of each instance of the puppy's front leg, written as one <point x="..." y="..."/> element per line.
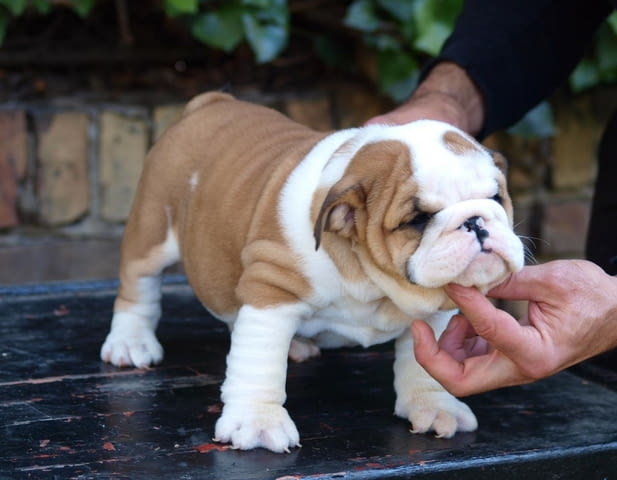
<point x="253" y="392"/>
<point x="420" y="398"/>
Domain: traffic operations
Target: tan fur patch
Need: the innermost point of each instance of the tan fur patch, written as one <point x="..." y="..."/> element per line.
<point x="231" y="241"/>
<point x="382" y="172"/>
<point x="458" y="144"/>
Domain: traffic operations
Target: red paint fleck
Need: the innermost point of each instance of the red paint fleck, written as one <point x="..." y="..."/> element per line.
<point x="326" y="427"/>
<point x="65" y="449"/>
<point x="209" y="447"/>
<point x="128" y="414"/>
<point x="43" y="443"/>
<point x="61" y="311"/>
<point x="289" y="477"/>
<point x="109" y="446"/>
<point x="214" y="408"/>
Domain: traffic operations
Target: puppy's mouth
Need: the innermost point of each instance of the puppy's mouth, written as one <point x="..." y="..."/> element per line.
<point x="472" y="255"/>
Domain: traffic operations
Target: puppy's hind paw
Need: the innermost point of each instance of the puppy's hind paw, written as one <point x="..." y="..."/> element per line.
<point x="302" y="349"/>
<point x="131" y="344"/>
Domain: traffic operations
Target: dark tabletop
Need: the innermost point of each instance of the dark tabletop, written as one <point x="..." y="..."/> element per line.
<point x="65" y="414"/>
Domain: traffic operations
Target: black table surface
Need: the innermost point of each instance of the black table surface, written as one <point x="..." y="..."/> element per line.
<point x="65" y="414"/>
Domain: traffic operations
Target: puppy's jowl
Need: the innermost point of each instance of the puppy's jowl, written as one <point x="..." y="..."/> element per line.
<point x="301" y="240"/>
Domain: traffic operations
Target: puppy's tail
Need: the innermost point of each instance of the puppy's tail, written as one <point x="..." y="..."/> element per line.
<point x="205" y="99"/>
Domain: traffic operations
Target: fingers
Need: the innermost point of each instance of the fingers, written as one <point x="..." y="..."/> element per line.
<point x="461" y="341"/>
<point x="530" y="283"/>
<point x="438" y="362"/>
<point x="461" y="378"/>
<point x="499" y="328"/>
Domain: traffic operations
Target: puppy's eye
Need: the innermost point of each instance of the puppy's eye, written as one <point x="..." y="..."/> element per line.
<point x="498" y="198"/>
<point x="419" y="222"/>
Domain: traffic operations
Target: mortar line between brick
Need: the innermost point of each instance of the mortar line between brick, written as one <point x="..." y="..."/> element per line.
<point x="94" y="129"/>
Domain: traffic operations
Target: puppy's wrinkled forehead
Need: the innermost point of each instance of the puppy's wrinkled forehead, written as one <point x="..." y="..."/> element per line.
<point x="449" y="166"/>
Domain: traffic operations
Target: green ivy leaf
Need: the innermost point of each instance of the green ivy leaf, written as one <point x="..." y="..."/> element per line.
<point x="606" y="54"/>
<point x="585" y="75"/>
<point x="537" y="123"/>
<point x="174" y="8"/>
<point x="220" y="29"/>
<point x="612" y="22"/>
<point x="398" y="73"/>
<point x="266" y="40"/>
<point x="4" y="21"/>
<point x="432" y="37"/>
<point x="402" y="10"/>
<point x="266" y="28"/>
<point x="362" y="15"/>
<point x="262" y="4"/>
<point x="82" y="7"/>
<point x="41" y="6"/>
<point x="434" y="20"/>
<point x="382" y="42"/>
<point x="16" y="7"/>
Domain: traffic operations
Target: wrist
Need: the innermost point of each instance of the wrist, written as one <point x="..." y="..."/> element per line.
<point x="450" y="84"/>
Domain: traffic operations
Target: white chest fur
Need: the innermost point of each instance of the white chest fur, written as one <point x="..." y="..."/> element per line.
<point x="348" y="321"/>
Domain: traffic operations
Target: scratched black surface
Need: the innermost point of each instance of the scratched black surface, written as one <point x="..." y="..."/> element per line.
<point x="64" y="414"/>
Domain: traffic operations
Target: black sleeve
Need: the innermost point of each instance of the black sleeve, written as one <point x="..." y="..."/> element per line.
<point x="519" y="51"/>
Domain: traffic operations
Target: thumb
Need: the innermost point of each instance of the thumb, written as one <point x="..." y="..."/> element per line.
<point x="497" y="327"/>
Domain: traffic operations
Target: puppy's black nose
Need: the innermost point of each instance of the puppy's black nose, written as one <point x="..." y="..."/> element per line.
<point x="476" y="224"/>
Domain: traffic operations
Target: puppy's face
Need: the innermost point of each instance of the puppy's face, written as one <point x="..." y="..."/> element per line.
<point x="427" y="205"/>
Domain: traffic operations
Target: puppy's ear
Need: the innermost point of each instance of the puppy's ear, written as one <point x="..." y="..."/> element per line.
<point x="500" y="161"/>
<point x="338" y="211"/>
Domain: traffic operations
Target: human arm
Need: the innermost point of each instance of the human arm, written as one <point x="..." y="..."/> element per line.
<point x="572" y="316"/>
<point x="447" y="94"/>
<point x="516" y="52"/>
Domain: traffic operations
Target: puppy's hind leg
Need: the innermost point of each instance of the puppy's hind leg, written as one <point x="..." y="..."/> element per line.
<point x="149" y="245"/>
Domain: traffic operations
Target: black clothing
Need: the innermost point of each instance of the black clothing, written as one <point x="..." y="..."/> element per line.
<point x="519" y="51"/>
<point x="602" y="234"/>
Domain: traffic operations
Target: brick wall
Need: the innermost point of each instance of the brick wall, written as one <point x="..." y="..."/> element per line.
<point x="68" y="170"/>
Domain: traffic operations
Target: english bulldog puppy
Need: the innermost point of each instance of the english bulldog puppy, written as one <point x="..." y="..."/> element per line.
<point x="301" y="240"/>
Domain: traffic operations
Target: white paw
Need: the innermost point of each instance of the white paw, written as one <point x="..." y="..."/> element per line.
<point x="439" y="412"/>
<point x="131" y="343"/>
<point x="302" y="349"/>
<point x="247" y="427"/>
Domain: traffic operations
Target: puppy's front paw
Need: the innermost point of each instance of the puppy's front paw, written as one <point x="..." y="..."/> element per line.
<point x="247" y="427"/>
<point x="439" y="412"/>
<point x="131" y="342"/>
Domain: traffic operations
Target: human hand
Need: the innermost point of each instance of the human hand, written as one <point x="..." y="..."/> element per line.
<point x="447" y="94"/>
<point x="571" y="316"/>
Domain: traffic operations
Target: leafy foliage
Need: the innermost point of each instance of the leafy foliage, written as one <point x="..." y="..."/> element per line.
<point x="264" y="24"/>
<point x="15" y="8"/>
<point x="401" y="34"/>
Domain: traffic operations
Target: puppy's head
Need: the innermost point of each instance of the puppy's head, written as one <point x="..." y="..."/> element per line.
<point x="423" y="204"/>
